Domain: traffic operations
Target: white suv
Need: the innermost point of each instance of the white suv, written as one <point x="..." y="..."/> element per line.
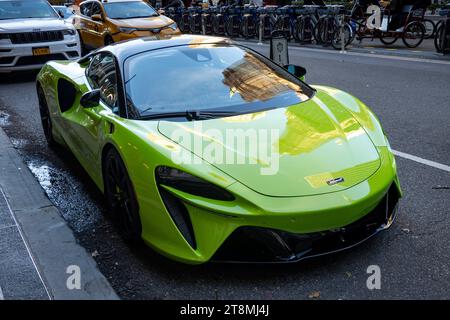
<point x="32" y="33"/>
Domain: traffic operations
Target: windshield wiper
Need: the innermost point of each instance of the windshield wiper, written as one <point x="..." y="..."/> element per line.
<point x="189" y="115"/>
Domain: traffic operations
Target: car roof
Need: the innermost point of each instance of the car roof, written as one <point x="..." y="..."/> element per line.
<point x="125" y="49"/>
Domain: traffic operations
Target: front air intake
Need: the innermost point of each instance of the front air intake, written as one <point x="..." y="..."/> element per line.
<point x="180" y="216"/>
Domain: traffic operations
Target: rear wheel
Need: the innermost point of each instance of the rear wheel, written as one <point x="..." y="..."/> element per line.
<point x="120" y="197"/>
<point x="413" y="34"/>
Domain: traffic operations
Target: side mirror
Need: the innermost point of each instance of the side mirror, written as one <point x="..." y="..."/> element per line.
<point x="61" y="14"/>
<point x="97" y="17"/>
<point x="296" y="71"/>
<point x="90" y="99"/>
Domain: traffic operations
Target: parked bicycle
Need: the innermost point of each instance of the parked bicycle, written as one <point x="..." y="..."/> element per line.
<point x="406" y="25"/>
<point x="249" y="22"/>
<point x="442" y="35"/>
<point x="195" y="19"/>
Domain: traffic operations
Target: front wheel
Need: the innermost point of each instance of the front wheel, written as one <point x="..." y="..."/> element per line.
<point x="430" y="28"/>
<point x="46" y="120"/>
<point x="120" y="197"/>
<point x="438" y="37"/>
<point x="413" y="34"/>
<point x="108" y="40"/>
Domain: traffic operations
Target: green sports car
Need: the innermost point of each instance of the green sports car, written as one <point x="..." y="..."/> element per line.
<point x="208" y="151"/>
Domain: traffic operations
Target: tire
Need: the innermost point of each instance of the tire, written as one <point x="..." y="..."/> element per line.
<point x="430" y="28"/>
<point x="108" y="40"/>
<point x="348" y="37"/>
<point x="416" y="31"/>
<point x="244" y="28"/>
<point x="438" y="38"/>
<point x="46" y="120"/>
<point x="389" y="40"/>
<point x="120" y="197"/>
<point x="319" y="30"/>
<point x="84" y="50"/>
<point x="229" y="30"/>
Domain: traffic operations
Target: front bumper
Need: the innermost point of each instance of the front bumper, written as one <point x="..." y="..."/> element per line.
<point x="163" y="33"/>
<point x="17" y="57"/>
<point x="264" y="245"/>
<point x="308" y="225"/>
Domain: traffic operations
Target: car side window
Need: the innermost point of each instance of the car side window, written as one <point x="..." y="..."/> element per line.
<point x="96" y="9"/>
<point x="85" y="9"/>
<point x="101" y="75"/>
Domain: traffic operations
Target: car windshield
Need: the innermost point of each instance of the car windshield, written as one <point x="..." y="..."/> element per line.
<point x="67" y="12"/>
<point x="129" y="10"/>
<point x="26" y="9"/>
<point x="208" y="77"/>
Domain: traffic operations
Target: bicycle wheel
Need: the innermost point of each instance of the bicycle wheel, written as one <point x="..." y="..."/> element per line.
<point x="413" y="34"/>
<point x="337" y="38"/>
<point x="438" y="37"/>
<point x="430" y="28"/>
<point x="319" y="31"/>
<point x="295" y="30"/>
<point x="229" y="28"/>
<point x="251" y="27"/>
<point x="389" y="39"/>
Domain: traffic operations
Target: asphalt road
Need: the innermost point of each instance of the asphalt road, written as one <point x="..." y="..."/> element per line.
<point x="412" y="100"/>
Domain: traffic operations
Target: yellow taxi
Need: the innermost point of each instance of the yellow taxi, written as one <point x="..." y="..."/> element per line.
<point x="102" y="22"/>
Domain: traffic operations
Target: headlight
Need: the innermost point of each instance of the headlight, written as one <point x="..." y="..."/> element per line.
<point x="127" y="30"/>
<point x="188" y="183"/>
<point x="69" y="32"/>
<point x="173" y="26"/>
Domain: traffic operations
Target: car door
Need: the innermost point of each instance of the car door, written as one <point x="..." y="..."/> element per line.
<point x="82" y="23"/>
<point x="86" y="128"/>
<point x="97" y="27"/>
<point x="91" y="31"/>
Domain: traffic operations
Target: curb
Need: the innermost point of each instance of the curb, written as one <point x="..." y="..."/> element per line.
<point x="418" y="54"/>
<point x="51" y="243"/>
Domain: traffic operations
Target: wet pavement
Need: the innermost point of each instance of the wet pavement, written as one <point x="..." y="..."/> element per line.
<point x="413" y="255"/>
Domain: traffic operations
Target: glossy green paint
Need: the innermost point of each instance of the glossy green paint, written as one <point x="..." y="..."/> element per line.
<point x="332" y="135"/>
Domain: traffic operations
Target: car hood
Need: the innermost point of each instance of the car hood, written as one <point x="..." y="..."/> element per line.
<point x="312" y="148"/>
<point x="143" y="23"/>
<point x="28" y="25"/>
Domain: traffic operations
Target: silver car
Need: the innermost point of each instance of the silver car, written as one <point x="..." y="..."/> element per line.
<point x="32" y="33"/>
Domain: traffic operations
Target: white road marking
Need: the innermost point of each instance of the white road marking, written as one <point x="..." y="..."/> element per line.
<point x="1" y="294"/>
<point x="361" y="54"/>
<point x="26" y="245"/>
<point x="421" y="160"/>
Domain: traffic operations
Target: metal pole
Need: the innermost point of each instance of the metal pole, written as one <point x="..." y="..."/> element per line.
<point x="261" y="29"/>
<point x="203" y="24"/>
<point x="342" y="34"/>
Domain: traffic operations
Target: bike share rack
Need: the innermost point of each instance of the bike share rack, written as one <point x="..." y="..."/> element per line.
<point x="445" y="36"/>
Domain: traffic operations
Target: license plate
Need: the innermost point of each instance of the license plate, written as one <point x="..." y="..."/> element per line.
<point x="41" y="51"/>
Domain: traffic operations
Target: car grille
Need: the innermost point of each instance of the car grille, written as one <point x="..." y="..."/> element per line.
<point x="30" y="60"/>
<point x="256" y="244"/>
<point x="34" y="37"/>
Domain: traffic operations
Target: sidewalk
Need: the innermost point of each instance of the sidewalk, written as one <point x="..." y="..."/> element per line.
<point x="36" y="245"/>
